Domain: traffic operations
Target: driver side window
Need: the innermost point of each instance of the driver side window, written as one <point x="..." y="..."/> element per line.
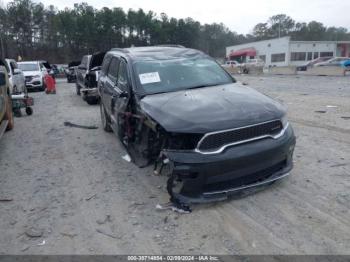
<point x="113" y="70"/>
<point x="123" y="76"/>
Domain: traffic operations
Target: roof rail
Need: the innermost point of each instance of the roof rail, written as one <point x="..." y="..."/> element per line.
<point x="119" y="49"/>
<point x="171" y="45"/>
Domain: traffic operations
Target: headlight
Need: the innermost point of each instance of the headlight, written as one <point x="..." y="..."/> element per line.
<point x="284" y="121"/>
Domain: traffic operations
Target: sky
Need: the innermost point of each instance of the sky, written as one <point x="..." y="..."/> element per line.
<point x="239" y="16"/>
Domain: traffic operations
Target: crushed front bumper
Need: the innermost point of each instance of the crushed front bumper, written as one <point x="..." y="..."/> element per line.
<point x="239" y="168"/>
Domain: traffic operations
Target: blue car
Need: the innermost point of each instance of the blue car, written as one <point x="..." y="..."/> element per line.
<point x="346" y="64"/>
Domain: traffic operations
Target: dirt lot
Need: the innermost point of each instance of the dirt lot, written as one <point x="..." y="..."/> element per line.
<point x="71" y="192"/>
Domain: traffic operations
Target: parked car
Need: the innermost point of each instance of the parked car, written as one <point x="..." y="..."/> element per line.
<point x="6" y="114"/>
<point x="87" y="76"/>
<point x="178" y="108"/>
<point x="231" y="63"/>
<point x="346" y="64"/>
<point x="252" y="63"/>
<point x="313" y="62"/>
<point x="16" y="77"/>
<point x="71" y="71"/>
<point x="34" y="72"/>
<point x="335" y="61"/>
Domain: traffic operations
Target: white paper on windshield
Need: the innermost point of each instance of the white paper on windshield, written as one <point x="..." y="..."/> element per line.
<point x="148" y="78"/>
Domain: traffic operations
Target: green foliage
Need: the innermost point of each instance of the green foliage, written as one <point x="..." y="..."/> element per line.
<point x="33" y="31"/>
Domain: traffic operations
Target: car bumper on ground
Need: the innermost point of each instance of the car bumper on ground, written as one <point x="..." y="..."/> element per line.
<point x="214" y="177"/>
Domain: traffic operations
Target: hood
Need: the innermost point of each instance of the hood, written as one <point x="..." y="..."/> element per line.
<point x="211" y="109"/>
<point x="31" y="73"/>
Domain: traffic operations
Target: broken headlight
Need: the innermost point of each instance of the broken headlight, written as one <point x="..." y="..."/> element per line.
<point x="183" y="141"/>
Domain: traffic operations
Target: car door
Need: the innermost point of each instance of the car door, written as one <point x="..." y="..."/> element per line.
<point x="2" y="90"/>
<point x="17" y="76"/>
<point x="110" y="84"/>
<point x="121" y="92"/>
<point x="103" y="78"/>
<point x="81" y="71"/>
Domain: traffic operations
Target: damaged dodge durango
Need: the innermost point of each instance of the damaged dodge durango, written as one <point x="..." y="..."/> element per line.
<point x="178" y="109"/>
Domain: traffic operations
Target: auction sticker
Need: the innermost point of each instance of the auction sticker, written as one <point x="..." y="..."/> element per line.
<point x="149" y="78"/>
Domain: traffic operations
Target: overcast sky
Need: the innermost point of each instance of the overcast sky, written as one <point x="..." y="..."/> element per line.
<point x="238" y="15"/>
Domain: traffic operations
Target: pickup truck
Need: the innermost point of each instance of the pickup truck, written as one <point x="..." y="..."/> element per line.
<point x="87" y="77"/>
<point x="6" y="114"/>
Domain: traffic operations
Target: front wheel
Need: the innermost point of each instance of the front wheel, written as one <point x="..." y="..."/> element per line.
<point x="106" y="121"/>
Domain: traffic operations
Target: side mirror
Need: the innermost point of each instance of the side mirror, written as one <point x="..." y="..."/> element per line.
<point x="17" y="71"/>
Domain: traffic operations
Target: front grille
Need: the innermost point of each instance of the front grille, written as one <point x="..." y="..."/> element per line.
<point x="217" y="140"/>
<point x="28" y="78"/>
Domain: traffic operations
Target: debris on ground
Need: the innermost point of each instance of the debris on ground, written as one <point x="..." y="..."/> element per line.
<point x="321" y="111"/>
<point x="171" y="206"/>
<point x="79" y="126"/>
<point x="103" y="232"/>
<point x="105" y="220"/>
<point x="330" y="106"/>
<point x="127" y="158"/>
<point x="5" y="199"/>
<point x="338" y="165"/>
<point x="90" y="197"/>
<point x="25" y="248"/>
<point x="346" y="117"/>
<point x="41" y="243"/>
<point x="70" y="235"/>
<point x="34" y="232"/>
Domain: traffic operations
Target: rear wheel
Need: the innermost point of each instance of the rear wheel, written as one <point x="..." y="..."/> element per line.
<point x="9" y="113"/>
<point x="105" y="119"/>
<point x="91" y="100"/>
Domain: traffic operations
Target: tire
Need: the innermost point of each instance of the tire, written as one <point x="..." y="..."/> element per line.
<point x="91" y="100"/>
<point x="9" y="114"/>
<point x="245" y="71"/>
<point x="105" y="119"/>
<point x="29" y="111"/>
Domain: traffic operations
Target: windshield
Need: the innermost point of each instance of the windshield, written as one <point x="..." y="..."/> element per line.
<point x="29" y="67"/>
<point x="158" y="76"/>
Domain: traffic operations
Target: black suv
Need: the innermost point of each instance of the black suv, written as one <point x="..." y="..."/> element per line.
<point x="177" y="108"/>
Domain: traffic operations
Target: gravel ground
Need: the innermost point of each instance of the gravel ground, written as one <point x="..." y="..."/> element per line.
<point x="70" y="192"/>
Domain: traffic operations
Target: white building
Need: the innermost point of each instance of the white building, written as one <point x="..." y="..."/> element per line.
<point x="283" y="52"/>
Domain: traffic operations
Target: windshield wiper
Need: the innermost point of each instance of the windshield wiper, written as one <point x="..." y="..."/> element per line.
<point x="201" y="86"/>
